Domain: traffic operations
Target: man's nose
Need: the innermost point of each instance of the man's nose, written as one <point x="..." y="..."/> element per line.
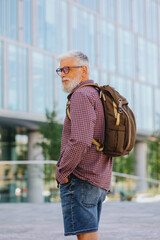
<point x="62" y="74"/>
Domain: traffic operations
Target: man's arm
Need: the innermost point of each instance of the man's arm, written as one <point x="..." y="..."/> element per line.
<point x="83" y="120"/>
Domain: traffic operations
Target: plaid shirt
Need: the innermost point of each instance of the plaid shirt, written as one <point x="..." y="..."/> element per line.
<point x="78" y="154"/>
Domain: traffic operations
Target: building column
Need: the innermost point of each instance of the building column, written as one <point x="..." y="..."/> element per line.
<point x="140" y="154"/>
<point x="35" y="172"/>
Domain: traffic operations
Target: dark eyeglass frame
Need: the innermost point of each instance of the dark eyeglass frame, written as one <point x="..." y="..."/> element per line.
<point x="66" y="69"/>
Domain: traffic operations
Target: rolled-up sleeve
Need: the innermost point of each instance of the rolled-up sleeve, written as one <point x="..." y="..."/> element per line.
<point x="83" y="119"/>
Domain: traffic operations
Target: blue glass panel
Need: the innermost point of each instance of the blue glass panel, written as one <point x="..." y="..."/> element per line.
<point x="13" y="19"/>
<point x="42" y="83"/>
<point x="17" y="78"/>
<point x="52" y="25"/>
<point x="157" y="109"/>
<point x="83" y="30"/>
<point x="92" y="4"/>
<point x="27" y="21"/>
<point x="142" y="59"/>
<point x="143" y="98"/>
<point x="152" y="63"/>
<point x="0" y="74"/>
<point x="124" y="13"/>
<point x="1" y="18"/>
<point x="124" y="87"/>
<point x="151" y="19"/>
<point x="108" y="8"/>
<point x="94" y="75"/>
<point x="104" y="78"/>
<point x="126" y="53"/>
<point x="8" y="18"/>
<point x="107" y="45"/>
<point x="139" y="16"/>
<point x="5" y="18"/>
<point x="13" y="72"/>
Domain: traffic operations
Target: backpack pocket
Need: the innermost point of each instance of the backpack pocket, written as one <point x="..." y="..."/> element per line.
<point x="115" y="139"/>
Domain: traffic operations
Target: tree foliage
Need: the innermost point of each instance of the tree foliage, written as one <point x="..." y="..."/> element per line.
<point x="51" y="132"/>
<point x="124" y="164"/>
<point x="153" y="159"/>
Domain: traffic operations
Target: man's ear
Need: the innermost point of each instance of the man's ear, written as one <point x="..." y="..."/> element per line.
<point x="85" y="70"/>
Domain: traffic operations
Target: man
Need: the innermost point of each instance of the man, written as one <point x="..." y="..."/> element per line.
<point x="84" y="174"/>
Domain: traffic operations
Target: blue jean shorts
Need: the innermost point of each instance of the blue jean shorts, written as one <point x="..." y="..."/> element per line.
<point x="81" y="206"/>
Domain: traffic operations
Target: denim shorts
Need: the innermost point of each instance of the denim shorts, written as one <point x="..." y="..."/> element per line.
<point x="81" y="206"/>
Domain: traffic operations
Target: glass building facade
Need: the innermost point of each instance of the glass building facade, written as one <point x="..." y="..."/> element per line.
<point x="120" y="37"/>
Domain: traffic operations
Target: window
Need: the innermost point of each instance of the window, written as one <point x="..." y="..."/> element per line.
<point x="17" y="78"/>
<point x="157" y="109"/>
<point x="108" y="8"/>
<point x="139" y="16"/>
<point x="124" y="13"/>
<point x="106" y="44"/>
<point x="8" y="18"/>
<point x="126" y="53"/>
<point x="124" y="87"/>
<point x="151" y="19"/>
<point x="144" y="107"/>
<point x="27" y="21"/>
<point x="83" y="30"/>
<point x="52" y="32"/>
<point x="104" y="78"/>
<point x="1" y="74"/>
<point x="92" y="4"/>
<point x="1" y="18"/>
<point x="94" y="75"/>
<point x="42" y="83"/>
<point x="147" y="62"/>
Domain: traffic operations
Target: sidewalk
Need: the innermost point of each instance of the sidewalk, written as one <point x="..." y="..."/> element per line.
<point x="119" y="221"/>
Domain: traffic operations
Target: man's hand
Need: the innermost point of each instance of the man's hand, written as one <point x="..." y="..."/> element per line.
<point x="66" y="180"/>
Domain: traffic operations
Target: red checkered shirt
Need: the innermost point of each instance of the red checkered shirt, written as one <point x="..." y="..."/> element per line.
<point x="78" y="154"/>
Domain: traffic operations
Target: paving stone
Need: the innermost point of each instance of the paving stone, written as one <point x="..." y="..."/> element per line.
<point x="119" y="221"/>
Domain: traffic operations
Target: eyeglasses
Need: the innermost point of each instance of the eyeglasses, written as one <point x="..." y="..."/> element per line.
<point x="65" y="69"/>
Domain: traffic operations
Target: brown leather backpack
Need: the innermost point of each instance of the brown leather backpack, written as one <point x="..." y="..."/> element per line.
<point x="120" y="124"/>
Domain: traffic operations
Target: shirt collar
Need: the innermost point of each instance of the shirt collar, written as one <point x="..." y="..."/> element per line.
<point x="80" y="84"/>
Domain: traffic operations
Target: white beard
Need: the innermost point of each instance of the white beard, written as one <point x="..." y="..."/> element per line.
<point x="72" y="84"/>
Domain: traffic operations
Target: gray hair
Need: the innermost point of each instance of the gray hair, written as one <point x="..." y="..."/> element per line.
<point x="79" y="56"/>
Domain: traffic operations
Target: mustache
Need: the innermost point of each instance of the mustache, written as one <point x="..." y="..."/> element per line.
<point x="66" y="79"/>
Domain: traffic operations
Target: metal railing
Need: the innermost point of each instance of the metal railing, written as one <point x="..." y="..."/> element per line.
<point x="18" y="181"/>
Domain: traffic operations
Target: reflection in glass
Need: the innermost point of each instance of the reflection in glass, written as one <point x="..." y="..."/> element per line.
<point x="104" y="78"/>
<point x="83" y="30"/>
<point x="107" y="45"/>
<point x="27" y="21"/>
<point x="126" y="53"/>
<point x="139" y="16"/>
<point x="1" y="74"/>
<point x="144" y="107"/>
<point x="157" y="110"/>
<point x="147" y="62"/>
<point x="42" y="83"/>
<point x="8" y="18"/>
<point x="108" y="8"/>
<point x="17" y="78"/>
<point x="124" y="13"/>
<point x="52" y="25"/>
<point x="94" y="75"/>
<point x="1" y="17"/>
<point x="124" y="87"/>
<point x="92" y="4"/>
<point x="151" y="19"/>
